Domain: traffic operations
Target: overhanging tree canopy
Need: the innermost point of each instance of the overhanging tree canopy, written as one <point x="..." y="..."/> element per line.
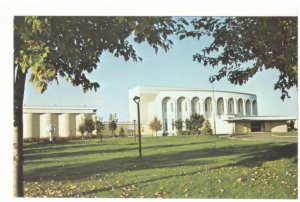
<point x="242" y="46"/>
<point x="70" y="47"/>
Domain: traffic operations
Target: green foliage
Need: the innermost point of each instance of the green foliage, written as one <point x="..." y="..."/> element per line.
<point x="71" y="47"/>
<point x="207" y="130"/>
<point x="99" y="126"/>
<point x="243" y="46"/>
<point x="81" y="129"/>
<point x="178" y="125"/>
<point x="155" y="125"/>
<point x="194" y="123"/>
<point x="87" y="125"/>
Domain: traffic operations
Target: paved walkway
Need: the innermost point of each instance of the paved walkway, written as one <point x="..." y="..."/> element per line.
<point x="262" y="137"/>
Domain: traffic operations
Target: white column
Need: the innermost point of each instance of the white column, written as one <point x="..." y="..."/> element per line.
<point x="27" y="126"/>
<point x="236" y="106"/>
<point x="79" y="118"/>
<point x="64" y="125"/>
<point x="45" y="120"/>
<point x="244" y="107"/>
<point x="225" y="101"/>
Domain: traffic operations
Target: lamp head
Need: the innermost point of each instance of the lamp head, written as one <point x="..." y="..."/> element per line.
<point x="136" y="99"/>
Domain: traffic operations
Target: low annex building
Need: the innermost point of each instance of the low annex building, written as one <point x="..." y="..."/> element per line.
<point x="228" y="112"/>
<point x="64" y="121"/>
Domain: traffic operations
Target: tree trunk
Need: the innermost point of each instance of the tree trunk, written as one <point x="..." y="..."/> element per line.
<point x="19" y="87"/>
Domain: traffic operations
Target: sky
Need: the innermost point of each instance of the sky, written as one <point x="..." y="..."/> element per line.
<point x="174" y="68"/>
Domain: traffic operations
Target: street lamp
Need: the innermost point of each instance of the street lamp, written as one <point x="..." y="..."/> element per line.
<point x="137" y="99"/>
<point x="134" y="131"/>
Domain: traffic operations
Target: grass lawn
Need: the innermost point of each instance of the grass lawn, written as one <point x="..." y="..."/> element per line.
<point x="172" y="167"/>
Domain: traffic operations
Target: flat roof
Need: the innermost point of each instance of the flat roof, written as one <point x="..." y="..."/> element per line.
<point x="166" y="89"/>
<point x="59" y="109"/>
<point x="261" y="118"/>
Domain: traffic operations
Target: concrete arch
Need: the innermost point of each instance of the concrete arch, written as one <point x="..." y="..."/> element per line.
<point x="220" y="106"/>
<point x="180" y="107"/>
<point x="166" y="108"/>
<point x="230" y="106"/>
<point x="248" y="107"/>
<point x="208" y="107"/>
<point x="240" y="107"/>
<point x="195" y="105"/>
<point x="254" y="107"/>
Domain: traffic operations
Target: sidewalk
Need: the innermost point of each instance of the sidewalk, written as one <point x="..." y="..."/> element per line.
<point x="262" y="137"/>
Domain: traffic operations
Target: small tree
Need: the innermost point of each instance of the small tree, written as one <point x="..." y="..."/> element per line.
<point x="113" y="123"/>
<point x="207" y="128"/>
<point x="81" y="129"/>
<point x="196" y="122"/>
<point x="155" y="125"/>
<point x="89" y="125"/>
<point x="99" y="126"/>
<point x="122" y="132"/>
<point x="179" y="125"/>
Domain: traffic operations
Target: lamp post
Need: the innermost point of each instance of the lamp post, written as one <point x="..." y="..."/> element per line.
<point x="134" y="131"/>
<point x="137" y="99"/>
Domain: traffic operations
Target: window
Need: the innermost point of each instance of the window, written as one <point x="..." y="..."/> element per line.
<point x="206" y="107"/>
<point x="185" y="106"/>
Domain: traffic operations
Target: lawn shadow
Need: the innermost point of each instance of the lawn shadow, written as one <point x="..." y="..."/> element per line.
<point x="252" y="155"/>
<point x="53" y="155"/>
<point x="271" y="154"/>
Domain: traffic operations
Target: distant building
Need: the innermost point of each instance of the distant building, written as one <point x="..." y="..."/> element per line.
<point x="228" y="112"/>
<point x="38" y="120"/>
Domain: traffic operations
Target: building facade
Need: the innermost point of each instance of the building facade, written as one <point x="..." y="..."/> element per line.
<point x="228" y="112"/>
<point x="64" y="121"/>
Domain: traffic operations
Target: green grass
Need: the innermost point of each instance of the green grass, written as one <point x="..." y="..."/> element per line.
<point x="172" y="167"/>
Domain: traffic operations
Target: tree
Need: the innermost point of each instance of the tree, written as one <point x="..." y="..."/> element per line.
<point x="179" y="125"/>
<point x="243" y="46"/>
<point x="155" y="125"/>
<point x="207" y="128"/>
<point x="81" y="129"/>
<point x="89" y="125"/>
<point x="194" y="123"/>
<point x="49" y="47"/>
<point x="99" y="126"/>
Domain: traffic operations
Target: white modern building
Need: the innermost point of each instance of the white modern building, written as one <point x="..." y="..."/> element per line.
<point x="228" y="112"/>
<point x="37" y="121"/>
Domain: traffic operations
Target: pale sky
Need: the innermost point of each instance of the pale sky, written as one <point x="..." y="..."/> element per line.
<point x="172" y="69"/>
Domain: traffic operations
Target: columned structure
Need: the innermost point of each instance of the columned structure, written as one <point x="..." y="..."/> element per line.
<point x="232" y="112"/>
<point x="64" y="120"/>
